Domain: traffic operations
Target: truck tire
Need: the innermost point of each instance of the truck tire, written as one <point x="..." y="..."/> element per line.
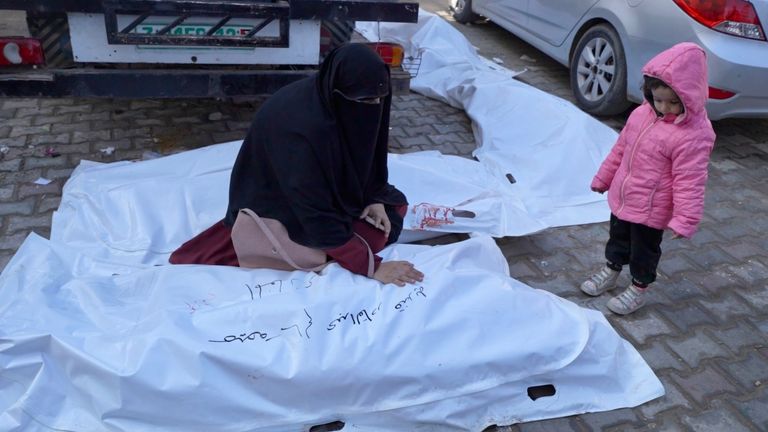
<point x="598" y="72"/>
<point x="52" y="29"/>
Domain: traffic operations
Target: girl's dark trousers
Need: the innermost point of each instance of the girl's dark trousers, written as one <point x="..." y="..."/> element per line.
<point x="637" y="245"/>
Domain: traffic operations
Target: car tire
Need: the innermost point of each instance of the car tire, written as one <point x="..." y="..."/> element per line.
<point x="598" y="72"/>
<point x="462" y="11"/>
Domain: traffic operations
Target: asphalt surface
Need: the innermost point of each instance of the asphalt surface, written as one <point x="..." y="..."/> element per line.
<point x="703" y="332"/>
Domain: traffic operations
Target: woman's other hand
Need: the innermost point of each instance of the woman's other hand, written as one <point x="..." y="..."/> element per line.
<point x="598" y="190"/>
<point x="378" y="214"/>
<point x="398" y="273"/>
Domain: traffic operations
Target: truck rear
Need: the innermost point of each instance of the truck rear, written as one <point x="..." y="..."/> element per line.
<point x="182" y="48"/>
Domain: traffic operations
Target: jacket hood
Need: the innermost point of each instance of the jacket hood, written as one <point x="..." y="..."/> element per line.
<point x="684" y="69"/>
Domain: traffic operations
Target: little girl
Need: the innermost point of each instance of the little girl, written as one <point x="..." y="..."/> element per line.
<point x="656" y="173"/>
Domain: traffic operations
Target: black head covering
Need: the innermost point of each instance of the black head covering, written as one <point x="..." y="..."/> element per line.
<point x="316" y="155"/>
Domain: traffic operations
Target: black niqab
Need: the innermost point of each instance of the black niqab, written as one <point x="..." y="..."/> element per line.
<point x="314" y="156"/>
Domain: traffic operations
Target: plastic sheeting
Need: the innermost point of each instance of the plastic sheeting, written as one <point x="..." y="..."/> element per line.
<point x="143" y="211"/>
<point x="549" y="146"/>
<point x="88" y="344"/>
<point x="454" y="194"/>
<point x="140" y="212"/>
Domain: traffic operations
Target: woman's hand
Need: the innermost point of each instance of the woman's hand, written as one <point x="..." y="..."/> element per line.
<point x="398" y="273"/>
<point x="599" y="190"/>
<point x="378" y="217"/>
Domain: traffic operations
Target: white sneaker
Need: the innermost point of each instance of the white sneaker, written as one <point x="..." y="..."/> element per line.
<point x="632" y="299"/>
<point x="600" y="282"/>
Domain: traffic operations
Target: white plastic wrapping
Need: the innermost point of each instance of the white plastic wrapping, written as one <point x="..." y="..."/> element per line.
<point x="142" y="211"/>
<point x="549" y="146"/>
<point x="91" y="345"/>
<point x="440" y="186"/>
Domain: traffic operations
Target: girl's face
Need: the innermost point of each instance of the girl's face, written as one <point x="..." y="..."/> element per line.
<point x="666" y="101"/>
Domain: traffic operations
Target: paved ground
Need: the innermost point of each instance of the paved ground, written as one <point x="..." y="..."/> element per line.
<point x="704" y="332"/>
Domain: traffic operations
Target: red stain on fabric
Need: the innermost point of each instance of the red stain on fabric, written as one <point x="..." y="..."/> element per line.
<point x="432" y="215"/>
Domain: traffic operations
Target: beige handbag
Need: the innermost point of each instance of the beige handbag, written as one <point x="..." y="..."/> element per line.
<point x="264" y="243"/>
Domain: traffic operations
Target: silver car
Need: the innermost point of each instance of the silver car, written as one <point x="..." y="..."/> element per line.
<point x="605" y="43"/>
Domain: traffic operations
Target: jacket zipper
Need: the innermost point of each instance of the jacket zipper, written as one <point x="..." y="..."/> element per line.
<point x="631" y="159"/>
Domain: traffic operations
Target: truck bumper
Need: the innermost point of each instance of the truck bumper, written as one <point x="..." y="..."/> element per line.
<point x="158" y="83"/>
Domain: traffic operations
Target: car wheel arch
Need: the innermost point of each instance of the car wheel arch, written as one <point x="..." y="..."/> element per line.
<point x="464" y="14"/>
<point x="597" y="16"/>
<point x="583" y="28"/>
<point x="618" y="99"/>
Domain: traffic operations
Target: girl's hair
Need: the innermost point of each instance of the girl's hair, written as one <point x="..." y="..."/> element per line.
<point x="651" y="83"/>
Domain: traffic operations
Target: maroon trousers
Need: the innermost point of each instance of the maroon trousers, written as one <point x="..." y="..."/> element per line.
<point x="214" y="247"/>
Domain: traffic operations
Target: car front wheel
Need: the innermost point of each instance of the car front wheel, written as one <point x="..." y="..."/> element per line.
<point x="598" y="72"/>
<point x="462" y="11"/>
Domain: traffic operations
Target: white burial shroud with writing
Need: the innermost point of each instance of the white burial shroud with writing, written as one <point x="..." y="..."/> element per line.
<point x="89" y="344"/>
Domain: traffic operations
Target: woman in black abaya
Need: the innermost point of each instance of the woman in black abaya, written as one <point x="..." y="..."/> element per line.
<point x="315" y="159"/>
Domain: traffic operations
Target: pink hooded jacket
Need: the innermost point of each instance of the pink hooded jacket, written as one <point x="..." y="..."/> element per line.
<point x="657" y="170"/>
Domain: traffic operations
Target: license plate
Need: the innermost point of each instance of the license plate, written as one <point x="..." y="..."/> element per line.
<point x="195" y="29"/>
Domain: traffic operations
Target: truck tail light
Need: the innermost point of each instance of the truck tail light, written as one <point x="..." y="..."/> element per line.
<point x="720" y="94"/>
<point x="734" y="17"/>
<point x="17" y="51"/>
<point x="391" y="53"/>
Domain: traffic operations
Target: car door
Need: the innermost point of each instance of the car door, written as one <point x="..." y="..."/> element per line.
<point x="506" y="13"/>
<point x="553" y="20"/>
